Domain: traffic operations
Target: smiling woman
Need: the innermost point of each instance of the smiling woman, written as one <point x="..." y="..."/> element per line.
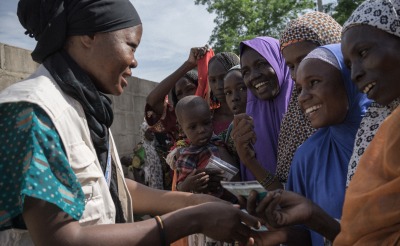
<point x="371" y="41"/>
<point x="371" y="214"/>
<point x="322" y="94"/>
<point x="334" y="105"/>
<point x="269" y="88"/>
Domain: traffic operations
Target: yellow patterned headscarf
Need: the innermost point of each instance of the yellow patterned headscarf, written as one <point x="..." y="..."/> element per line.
<point x="315" y="26"/>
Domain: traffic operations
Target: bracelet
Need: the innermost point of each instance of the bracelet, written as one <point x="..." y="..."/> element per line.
<point x="267" y="181"/>
<point x="160" y="226"/>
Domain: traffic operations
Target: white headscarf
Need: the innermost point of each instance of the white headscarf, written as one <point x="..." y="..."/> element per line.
<point x="382" y="14"/>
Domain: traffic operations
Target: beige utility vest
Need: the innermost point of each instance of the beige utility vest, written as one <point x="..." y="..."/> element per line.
<point x="69" y="119"/>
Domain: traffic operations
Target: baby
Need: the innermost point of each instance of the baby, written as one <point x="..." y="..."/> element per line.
<point x="195" y="119"/>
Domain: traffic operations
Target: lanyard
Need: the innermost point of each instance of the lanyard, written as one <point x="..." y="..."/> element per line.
<point x="107" y="174"/>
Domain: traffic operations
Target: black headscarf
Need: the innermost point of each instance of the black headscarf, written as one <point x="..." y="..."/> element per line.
<point x="50" y="22"/>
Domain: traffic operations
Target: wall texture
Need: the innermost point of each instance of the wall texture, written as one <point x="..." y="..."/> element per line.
<point x="17" y="64"/>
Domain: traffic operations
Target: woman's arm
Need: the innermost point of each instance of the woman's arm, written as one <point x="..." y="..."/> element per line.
<point x="243" y="136"/>
<point x="156" y="97"/>
<point x="48" y="225"/>
<point x="146" y="200"/>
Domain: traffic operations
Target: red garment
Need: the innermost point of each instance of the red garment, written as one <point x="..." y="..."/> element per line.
<point x="220" y="126"/>
<point x="202" y="70"/>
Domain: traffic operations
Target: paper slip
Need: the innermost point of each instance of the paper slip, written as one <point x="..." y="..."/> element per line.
<point x="243" y="188"/>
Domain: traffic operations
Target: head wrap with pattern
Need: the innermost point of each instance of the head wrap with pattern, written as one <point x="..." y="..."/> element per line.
<point x="382" y="14"/>
<point x="315" y="26"/>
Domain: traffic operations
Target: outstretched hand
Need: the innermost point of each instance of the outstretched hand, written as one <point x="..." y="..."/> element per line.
<point x="281" y="208"/>
<point x="227" y="223"/>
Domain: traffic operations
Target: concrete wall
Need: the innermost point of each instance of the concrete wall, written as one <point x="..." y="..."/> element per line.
<point x="129" y="114"/>
<point x="16" y="64"/>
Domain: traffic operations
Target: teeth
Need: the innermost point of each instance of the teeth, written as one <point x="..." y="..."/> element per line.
<point x="368" y="87"/>
<point x="260" y="84"/>
<point x="313" y="108"/>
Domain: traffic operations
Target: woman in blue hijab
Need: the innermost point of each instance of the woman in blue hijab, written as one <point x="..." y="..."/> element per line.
<point x="335" y="107"/>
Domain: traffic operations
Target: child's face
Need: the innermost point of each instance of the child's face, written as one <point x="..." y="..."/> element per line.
<point x="235" y="92"/>
<point x="196" y="123"/>
<point x="216" y="74"/>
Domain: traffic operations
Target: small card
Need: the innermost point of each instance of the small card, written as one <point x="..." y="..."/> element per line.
<point x="243" y="188"/>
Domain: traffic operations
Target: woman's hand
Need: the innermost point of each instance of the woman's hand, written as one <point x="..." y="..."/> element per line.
<point x="281" y="208"/>
<point x="226" y="222"/>
<point x="244" y="136"/>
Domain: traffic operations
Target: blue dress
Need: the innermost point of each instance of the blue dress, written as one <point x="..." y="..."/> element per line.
<point x="319" y="166"/>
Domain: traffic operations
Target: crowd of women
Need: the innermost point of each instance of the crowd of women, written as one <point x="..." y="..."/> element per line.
<point x="312" y="117"/>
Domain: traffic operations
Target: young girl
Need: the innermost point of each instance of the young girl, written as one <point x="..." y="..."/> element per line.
<point x="236" y="97"/>
<point x="159" y="114"/>
<point x="218" y="66"/>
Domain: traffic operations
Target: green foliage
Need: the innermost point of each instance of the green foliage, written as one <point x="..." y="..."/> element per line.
<point x="344" y="9"/>
<point x="239" y="20"/>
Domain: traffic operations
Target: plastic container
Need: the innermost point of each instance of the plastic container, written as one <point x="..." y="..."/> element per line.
<point x="217" y="163"/>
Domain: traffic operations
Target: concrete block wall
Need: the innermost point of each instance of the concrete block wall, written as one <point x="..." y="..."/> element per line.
<point x="17" y="64"/>
<point x="129" y="114"/>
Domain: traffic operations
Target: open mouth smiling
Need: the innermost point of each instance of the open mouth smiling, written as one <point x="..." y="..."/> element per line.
<point x="312" y="109"/>
<point x="368" y="87"/>
<point x="257" y="86"/>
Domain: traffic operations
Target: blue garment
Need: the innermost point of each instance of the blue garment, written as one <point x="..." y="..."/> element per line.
<point x="319" y="166"/>
<point x="33" y="163"/>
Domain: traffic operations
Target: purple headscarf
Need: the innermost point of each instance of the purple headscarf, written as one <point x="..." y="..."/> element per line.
<point x="267" y="115"/>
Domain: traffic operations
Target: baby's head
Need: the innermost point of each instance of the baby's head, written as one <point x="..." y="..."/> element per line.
<point x="194" y="116"/>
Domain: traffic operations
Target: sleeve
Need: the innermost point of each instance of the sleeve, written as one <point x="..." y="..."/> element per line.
<point x="34" y="163"/>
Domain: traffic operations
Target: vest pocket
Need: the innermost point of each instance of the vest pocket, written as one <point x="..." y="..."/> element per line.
<point x="83" y="162"/>
<point x="89" y="173"/>
<point x="80" y="155"/>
